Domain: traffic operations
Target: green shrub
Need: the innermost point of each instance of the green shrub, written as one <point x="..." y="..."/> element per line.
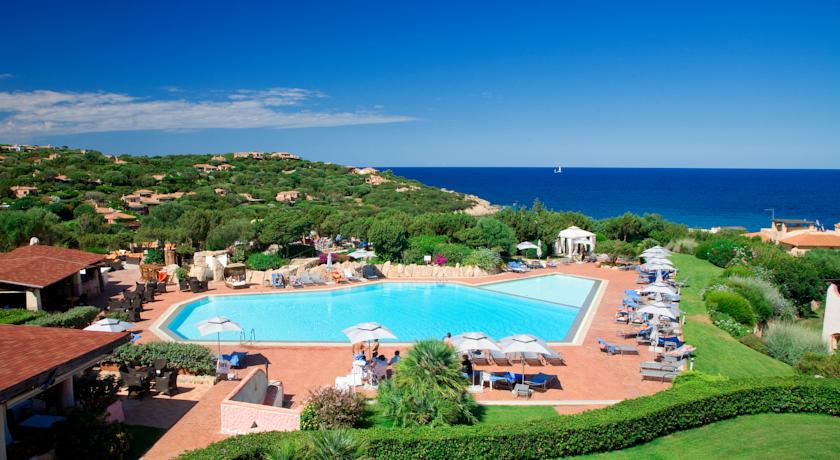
<point x="697" y="378"/>
<point x="191" y="357"/>
<point x="823" y="365"/>
<point x="719" y="251"/>
<point x="616" y="427"/>
<point x="118" y="315"/>
<point x="485" y="259"/>
<point x="330" y="408"/>
<point x="262" y="262"/>
<point x="86" y="434"/>
<point x="732" y="304"/>
<point x="74" y="318"/>
<point x="738" y="270"/>
<point x="788" y="342"/>
<point x="427" y="388"/>
<point x="153" y="256"/>
<point x="683" y="245"/>
<point x="182" y="273"/>
<point x="732" y="327"/>
<point x="19" y="315"/>
<point x="756" y="343"/>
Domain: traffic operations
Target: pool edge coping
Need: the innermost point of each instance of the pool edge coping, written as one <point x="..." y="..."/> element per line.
<point x="580" y="325"/>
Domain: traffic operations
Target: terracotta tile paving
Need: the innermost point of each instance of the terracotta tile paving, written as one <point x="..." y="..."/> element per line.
<point x="590" y="378"/>
<point x="162" y="411"/>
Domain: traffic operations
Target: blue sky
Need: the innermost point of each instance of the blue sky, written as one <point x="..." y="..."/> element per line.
<point x="694" y="84"/>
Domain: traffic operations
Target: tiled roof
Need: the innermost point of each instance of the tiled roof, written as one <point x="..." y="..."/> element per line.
<point x="819" y="240"/>
<point x="30" y="353"/>
<point x="39" y="266"/>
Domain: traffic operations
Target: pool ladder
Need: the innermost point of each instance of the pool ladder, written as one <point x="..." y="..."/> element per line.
<point x="250" y="339"/>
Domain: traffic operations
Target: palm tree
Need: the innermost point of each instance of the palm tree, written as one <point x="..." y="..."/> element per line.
<point x="427" y="388"/>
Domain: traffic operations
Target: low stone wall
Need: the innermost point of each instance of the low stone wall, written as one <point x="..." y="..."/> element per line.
<point x="244" y="410"/>
<point x="388" y="270"/>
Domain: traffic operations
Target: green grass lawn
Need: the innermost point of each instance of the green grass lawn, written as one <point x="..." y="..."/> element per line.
<point x="142" y="439"/>
<point x="487" y="415"/>
<point x="776" y="436"/>
<point x="717" y="351"/>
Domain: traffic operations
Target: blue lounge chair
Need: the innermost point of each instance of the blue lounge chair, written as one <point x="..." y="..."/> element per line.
<point x="613" y="349"/>
<point x="541" y="381"/>
<point x="236" y="359"/>
<point x="667" y="341"/>
<point x="516" y="267"/>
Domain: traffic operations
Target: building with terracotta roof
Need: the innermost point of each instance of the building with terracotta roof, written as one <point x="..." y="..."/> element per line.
<point x="375" y="179"/>
<point x="219" y="158"/>
<point x="122" y="218"/>
<point x="35" y="277"/>
<point x="158" y="177"/>
<point x="225" y="167"/>
<point x="251" y="155"/>
<point x="798" y="236"/>
<point x="204" y="167"/>
<point x="288" y="195"/>
<point x="250" y="198"/>
<point x="284" y="156"/>
<point x="45" y="359"/>
<point x="21" y="191"/>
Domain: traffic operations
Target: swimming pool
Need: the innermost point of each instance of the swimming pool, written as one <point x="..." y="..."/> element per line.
<point x="549" y="307"/>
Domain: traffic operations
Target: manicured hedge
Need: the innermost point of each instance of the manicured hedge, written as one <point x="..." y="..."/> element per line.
<point x="191" y="357"/>
<point x="74" y="318"/>
<point x="623" y="425"/>
<point x="19" y="315"/>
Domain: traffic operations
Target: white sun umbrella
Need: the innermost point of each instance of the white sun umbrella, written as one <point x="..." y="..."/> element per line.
<point x="470" y="341"/>
<point x="524" y="343"/>
<point x="526" y="245"/>
<point x="539" y="249"/>
<point x="217" y="325"/>
<point x="362" y="254"/>
<point x="658" y="260"/>
<point x="658" y="287"/>
<point x="365" y="332"/>
<point x="109" y="325"/>
<point x="329" y="262"/>
<point x="657" y="249"/>
<point x="658" y="311"/>
<point x="658" y="268"/>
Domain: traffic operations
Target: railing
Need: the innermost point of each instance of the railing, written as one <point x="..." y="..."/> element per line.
<point x="250" y="339"/>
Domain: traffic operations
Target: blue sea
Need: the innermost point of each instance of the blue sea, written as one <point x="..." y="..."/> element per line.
<point x="696" y="197"/>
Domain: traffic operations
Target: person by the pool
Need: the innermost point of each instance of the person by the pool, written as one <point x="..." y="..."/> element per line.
<point x="395" y="359"/>
<point x="466" y="366"/>
<point x="375" y="348"/>
<point x="448" y="339"/>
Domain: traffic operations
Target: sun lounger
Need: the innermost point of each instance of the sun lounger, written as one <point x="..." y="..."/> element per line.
<point x="479" y="359"/>
<point x="305" y="279"/>
<point x="368" y="272"/>
<point x="662" y="376"/>
<point x="236" y="359"/>
<point x="351" y="276"/>
<point x="532" y="359"/>
<point x="499" y="358"/>
<point x="277" y="280"/>
<point x="534" y="264"/>
<point x="541" y="381"/>
<point x="661" y="366"/>
<point x="316" y="278"/>
<point x="626" y="334"/>
<point x="516" y="267"/>
<point x="614" y="349"/>
<point x="495" y="380"/>
<point x="555" y="359"/>
<point x="294" y="281"/>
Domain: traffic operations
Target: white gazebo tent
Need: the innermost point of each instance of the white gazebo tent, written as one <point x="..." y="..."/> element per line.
<point x="574" y="240"/>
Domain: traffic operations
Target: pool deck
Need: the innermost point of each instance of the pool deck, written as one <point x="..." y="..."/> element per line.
<point x="590" y="379"/>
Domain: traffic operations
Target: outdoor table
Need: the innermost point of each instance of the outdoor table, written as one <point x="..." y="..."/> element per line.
<point x="41" y="422"/>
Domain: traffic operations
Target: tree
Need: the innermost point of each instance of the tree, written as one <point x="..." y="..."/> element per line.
<point x="489" y="233"/>
<point x="427" y="388"/>
<point x="284" y="227"/>
<point x="627" y="227"/>
<point x="389" y="236"/>
<point x="615" y="249"/>
<point x="226" y="234"/>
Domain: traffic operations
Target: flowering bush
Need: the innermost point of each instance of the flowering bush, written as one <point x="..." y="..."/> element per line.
<point x="732" y="327"/>
<point x="331" y="408"/>
<point x="440" y="259"/>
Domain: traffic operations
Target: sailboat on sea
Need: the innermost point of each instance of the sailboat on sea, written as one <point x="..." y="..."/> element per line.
<point x="558" y="170"/>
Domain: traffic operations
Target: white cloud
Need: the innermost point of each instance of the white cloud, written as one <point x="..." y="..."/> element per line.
<point x="43" y="112"/>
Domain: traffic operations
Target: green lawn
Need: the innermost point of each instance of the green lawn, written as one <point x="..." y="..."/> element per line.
<point x="142" y="439"/>
<point x="776" y="436"/>
<point x="717" y="351"/>
<point x="487" y="415"/>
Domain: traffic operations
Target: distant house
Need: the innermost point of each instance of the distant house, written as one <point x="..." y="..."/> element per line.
<point x="11" y="148"/>
<point x="116" y="217"/>
<point x="38" y="276"/>
<point x="250" y="198"/>
<point x="63" y="178"/>
<point x="284" y="156"/>
<point x="158" y="177"/>
<point x="53" y="156"/>
<point x="219" y="158"/>
<point x="798" y="236"/>
<point x="21" y="191"/>
<point x="288" y="195"/>
<point x="220" y="191"/>
<point x="375" y="179"/>
<point x="251" y="155"/>
<point x="225" y="167"/>
<point x="205" y="168"/>
<point x="363" y="171"/>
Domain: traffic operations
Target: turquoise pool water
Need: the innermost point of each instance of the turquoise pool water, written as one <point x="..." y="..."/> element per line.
<point x="411" y="310"/>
